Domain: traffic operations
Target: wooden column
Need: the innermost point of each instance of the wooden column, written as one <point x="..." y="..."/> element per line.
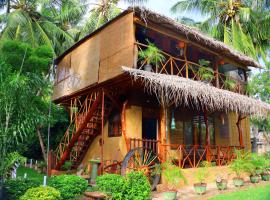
<point x="216" y="73"/>
<point x="162" y="133"/>
<point x="102" y="131"/>
<point x="123" y="125"/>
<point x="240" y="132"/>
<point x="207" y="137"/>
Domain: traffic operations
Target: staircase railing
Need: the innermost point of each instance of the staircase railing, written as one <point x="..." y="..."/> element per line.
<point x="79" y="112"/>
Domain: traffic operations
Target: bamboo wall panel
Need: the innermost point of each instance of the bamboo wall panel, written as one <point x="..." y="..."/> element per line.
<point x="106" y="52"/>
<point x="116" y="48"/>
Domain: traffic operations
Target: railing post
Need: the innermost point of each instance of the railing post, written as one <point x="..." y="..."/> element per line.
<point x="218" y="155"/>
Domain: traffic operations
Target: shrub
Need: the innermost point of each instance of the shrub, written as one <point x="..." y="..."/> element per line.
<point x="41" y="192"/>
<point x="203" y="172"/>
<point x="112" y="185"/>
<point x="136" y="187"/>
<point x="69" y="186"/>
<point x="15" y="188"/>
<point x="241" y="163"/>
<point x="66" y="166"/>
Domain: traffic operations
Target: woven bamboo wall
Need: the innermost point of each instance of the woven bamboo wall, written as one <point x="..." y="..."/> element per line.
<point x="97" y="59"/>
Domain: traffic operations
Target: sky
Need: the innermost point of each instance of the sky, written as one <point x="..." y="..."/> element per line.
<point x="163" y="7"/>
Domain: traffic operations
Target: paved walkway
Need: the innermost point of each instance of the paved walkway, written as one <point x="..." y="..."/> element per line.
<point x="188" y="193"/>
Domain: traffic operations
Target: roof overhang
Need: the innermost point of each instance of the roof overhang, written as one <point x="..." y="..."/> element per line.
<point x="182" y="91"/>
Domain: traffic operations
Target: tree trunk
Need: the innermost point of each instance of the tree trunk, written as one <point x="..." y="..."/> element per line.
<point x="41" y="144"/>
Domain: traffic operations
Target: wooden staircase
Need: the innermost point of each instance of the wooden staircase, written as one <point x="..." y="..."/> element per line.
<point x="86" y="127"/>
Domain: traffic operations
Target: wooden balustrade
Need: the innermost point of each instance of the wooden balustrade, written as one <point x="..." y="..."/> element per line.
<point x="190" y="156"/>
<point x="182" y="67"/>
<point x="149" y="144"/>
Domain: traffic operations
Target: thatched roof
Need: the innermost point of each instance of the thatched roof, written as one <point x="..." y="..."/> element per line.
<point x="194" y="35"/>
<point x="182" y="91"/>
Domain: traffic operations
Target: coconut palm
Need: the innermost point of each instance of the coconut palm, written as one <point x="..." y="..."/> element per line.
<point x="26" y="22"/>
<point x="234" y="22"/>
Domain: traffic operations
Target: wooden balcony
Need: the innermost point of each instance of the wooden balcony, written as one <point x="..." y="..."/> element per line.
<point x="182" y="67"/>
<point x="188" y="156"/>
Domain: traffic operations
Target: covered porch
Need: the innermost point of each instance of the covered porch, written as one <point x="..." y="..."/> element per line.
<point x="196" y="122"/>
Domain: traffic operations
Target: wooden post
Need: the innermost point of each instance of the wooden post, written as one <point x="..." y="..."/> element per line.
<point x="123" y="124"/>
<point x="207" y="137"/>
<point x="239" y="127"/>
<point x="102" y="132"/>
<point x="162" y="131"/>
<point x="216" y="73"/>
<point x="185" y="57"/>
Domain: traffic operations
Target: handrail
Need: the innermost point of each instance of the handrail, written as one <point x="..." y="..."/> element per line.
<point x="189" y="69"/>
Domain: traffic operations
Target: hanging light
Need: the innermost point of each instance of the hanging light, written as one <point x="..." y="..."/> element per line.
<point x="222" y="118"/>
<point x="181" y="46"/>
<point x="173" y="121"/>
<point x="221" y="62"/>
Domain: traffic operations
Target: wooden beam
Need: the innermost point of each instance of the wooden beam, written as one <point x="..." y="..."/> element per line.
<point x="123" y="125"/>
<point x="216" y="74"/>
<point x="102" y="131"/>
<point x="162" y="131"/>
<point x="240" y="132"/>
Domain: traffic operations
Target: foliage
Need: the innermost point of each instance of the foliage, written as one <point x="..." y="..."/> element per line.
<point x="205" y="73"/>
<point x="134" y="186"/>
<point x="9" y="161"/>
<point x="172" y="174"/>
<point x="202" y="172"/>
<point x="240" y="164"/>
<point x="257" y="193"/>
<point x="22" y="84"/>
<point x="66" y="166"/>
<point x="137" y="187"/>
<point x="41" y="192"/>
<point x="257" y="164"/>
<point x="259" y="87"/>
<point x="229" y="83"/>
<point x="69" y="186"/>
<point x="112" y="185"/>
<point x="152" y="55"/>
<point x="237" y="23"/>
<point x="15" y="188"/>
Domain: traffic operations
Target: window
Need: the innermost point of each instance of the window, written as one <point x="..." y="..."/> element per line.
<point x="114" y="123"/>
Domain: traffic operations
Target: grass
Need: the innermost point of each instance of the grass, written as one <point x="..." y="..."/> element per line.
<point x="258" y="193"/>
<point x="31" y="173"/>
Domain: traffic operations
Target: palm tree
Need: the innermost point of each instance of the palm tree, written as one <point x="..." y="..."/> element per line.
<point x="102" y="12"/>
<point x="26" y="22"/>
<point x="234" y="22"/>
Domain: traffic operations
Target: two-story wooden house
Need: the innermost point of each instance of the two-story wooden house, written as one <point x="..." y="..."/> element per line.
<point x="116" y="105"/>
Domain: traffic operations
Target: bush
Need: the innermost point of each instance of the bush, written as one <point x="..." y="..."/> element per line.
<point x="15" y="188"/>
<point x="66" y="166"/>
<point x="136" y="187"/>
<point x="112" y="185"/>
<point x="69" y="186"/>
<point x="41" y="192"/>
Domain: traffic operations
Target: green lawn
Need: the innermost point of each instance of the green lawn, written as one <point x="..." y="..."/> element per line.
<point x="31" y="173"/>
<point x="258" y="193"/>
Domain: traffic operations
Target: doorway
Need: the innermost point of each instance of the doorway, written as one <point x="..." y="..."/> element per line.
<point x="149" y="128"/>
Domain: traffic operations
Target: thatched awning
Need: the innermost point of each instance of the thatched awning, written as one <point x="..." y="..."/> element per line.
<point x="182" y="91"/>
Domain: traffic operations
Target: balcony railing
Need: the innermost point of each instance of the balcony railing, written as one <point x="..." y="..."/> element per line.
<point x="172" y="65"/>
<point x="190" y="156"/>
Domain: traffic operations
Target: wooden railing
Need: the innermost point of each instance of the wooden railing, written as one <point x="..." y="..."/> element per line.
<point x="190" y="156"/>
<point x="79" y="107"/>
<point x="182" y="67"/>
<point x="149" y="144"/>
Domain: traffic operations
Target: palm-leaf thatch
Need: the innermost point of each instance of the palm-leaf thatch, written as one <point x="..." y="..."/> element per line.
<point x="182" y="91"/>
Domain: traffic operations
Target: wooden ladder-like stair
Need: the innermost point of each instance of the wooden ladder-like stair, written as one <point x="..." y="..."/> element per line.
<point x="89" y="127"/>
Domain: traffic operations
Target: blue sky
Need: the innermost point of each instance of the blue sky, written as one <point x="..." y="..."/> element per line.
<point x="164" y="6"/>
